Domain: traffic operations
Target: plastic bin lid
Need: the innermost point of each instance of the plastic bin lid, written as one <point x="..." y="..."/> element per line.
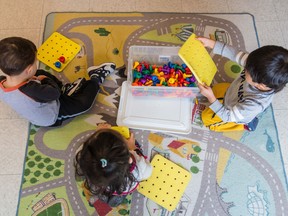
<point x="154" y="113"/>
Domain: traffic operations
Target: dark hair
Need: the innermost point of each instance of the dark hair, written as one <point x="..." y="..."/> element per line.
<point x="109" y="145"/>
<point x="16" y="54"/>
<point x="269" y="65"/>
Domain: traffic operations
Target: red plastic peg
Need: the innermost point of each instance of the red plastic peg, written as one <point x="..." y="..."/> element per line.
<point x="62" y="59"/>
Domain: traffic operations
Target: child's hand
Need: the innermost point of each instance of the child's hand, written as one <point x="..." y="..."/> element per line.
<point x="207" y="42"/>
<point x="41" y="77"/>
<point x="131" y="142"/>
<point x="207" y="92"/>
<point x="103" y="126"/>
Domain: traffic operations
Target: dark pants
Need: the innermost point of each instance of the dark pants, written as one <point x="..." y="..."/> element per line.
<point x="76" y="104"/>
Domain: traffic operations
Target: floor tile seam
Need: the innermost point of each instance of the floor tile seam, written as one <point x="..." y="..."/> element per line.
<point x="11" y="174"/>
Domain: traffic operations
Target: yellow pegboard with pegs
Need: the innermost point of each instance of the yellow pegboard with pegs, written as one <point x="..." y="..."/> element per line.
<point x="57" y="51"/>
<point x="166" y="184"/>
<point x="199" y="61"/>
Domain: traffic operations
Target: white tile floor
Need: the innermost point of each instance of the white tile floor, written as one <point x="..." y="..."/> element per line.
<point x="27" y="18"/>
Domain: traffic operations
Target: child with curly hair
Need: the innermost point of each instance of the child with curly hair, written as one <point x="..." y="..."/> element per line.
<point x="111" y="165"/>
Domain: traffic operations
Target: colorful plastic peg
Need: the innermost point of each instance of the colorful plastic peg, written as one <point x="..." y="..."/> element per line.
<point x="136" y="63"/>
<point x="57" y="64"/>
<point x="62" y="59"/>
<point x="171" y="81"/>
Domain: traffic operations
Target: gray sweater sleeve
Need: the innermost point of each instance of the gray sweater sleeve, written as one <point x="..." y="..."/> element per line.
<point x="227" y="114"/>
<point x="230" y="52"/>
<point x="241" y="113"/>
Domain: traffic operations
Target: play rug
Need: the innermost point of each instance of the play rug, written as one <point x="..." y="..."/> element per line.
<point x="232" y="173"/>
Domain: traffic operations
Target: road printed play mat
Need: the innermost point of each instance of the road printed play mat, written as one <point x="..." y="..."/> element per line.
<point x="239" y="173"/>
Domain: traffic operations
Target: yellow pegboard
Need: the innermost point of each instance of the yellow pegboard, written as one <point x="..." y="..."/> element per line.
<point x="196" y="57"/>
<point x="166" y="184"/>
<point x="55" y="47"/>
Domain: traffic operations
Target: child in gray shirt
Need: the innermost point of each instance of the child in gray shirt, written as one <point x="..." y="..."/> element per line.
<point x="235" y="106"/>
<point x="36" y="94"/>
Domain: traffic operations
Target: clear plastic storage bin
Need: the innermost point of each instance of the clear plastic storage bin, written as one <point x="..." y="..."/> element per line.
<point x="156" y="55"/>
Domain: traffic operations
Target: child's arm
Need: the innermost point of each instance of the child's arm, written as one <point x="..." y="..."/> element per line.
<point x="144" y="168"/>
<point x="241" y="113"/>
<point x="225" y="50"/>
<point x="41" y="89"/>
<point x="131" y="142"/>
<point x="207" y="42"/>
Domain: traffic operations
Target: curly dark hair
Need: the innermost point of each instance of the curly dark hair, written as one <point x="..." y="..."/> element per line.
<point x="16" y="54"/>
<point x="269" y="65"/>
<point x="115" y="176"/>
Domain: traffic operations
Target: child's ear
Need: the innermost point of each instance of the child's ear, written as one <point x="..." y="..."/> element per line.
<point x="29" y="69"/>
<point x="130" y="160"/>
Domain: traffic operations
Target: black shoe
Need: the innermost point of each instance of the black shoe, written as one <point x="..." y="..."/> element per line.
<point x="71" y="88"/>
<point x="115" y="201"/>
<point x="101" y="72"/>
<point x="103" y="198"/>
<point x="121" y="71"/>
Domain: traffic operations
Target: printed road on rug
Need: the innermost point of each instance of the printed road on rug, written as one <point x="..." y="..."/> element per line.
<point x="238" y="173"/>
